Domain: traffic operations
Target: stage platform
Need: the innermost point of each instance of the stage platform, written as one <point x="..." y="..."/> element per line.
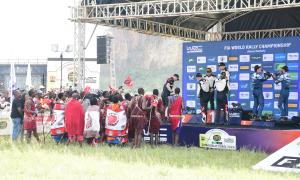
<point x="262" y="139"/>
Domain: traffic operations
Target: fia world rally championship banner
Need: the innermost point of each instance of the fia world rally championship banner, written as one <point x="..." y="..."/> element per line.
<point x="240" y="58"/>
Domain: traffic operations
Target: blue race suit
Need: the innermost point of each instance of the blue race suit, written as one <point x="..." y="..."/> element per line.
<point x="257" y="84"/>
<point x="285" y="80"/>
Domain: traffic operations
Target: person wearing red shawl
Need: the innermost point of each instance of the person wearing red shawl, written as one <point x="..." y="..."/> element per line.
<point x="138" y="119"/>
<point x="154" y="115"/>
<point x="174" y="113"/>
<point x="30" y="115"/>
<point x="74" y="117"/>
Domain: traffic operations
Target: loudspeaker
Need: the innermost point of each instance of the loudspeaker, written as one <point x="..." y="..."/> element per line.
<point x="102" y="53"/>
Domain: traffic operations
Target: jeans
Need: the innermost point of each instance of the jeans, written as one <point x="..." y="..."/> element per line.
<point x="283" y="102"/>
<point x="17" y="126"/>
<point x="258" y="102"/>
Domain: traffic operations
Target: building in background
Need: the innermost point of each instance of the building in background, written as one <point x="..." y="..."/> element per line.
<point x="38" y="73"/>
<point x="92" y="73"/>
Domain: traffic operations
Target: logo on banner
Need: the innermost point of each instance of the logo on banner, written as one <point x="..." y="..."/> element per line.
<point x="191" y="69"/>
<point x="233" y="77"/>
<point x="293" y="96"/>
<point x="255" y="57"/>
<point x="217" y="139"/>
<point x="251" y="104"/>
<point x="278" y="66"/>
<point x="244" y="67"/>
<point x="268" y="86"/>
<point x="234" y="86"/>
<point x="232" y="58"/>
<point x="213" y="67"/>
<point x="191" y="60"/>
<point x="253" y="65"/>
<point x="292" y="113"/>
<point x="275" y="104"/>
<point x="194" y="49"/>
<point x="191" y="77"/>
<point x="244" y="95"/>
<point x="286" y="159"/>
<point x="244" y="86"/>
<point x="211" y="59"/>
<point x="293" y="105"/>
<point x="268" y="105"/>
<point x="201" y="60"/>
<point x="233" y="67"/>
<point x="293" y="66"/>
<point x="280" y="57"/>
<point x="222" y="59"/>
<point x="244" y="58"/>
<point x="268" y="95"/>
<point x="244" y="77"/>
<point x="190" y="104"/>
<point x="292" y="56"/>
<point x="191" y="86"/>
<point x="268" y="57"/>
<point x="294" y="76"/>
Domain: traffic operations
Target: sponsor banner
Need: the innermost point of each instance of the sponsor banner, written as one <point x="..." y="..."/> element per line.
<point x="244" y="76"/>
<point x="191" y="60"/>
<point x="280" y="57"/>
<point x="268" y="86"/>
<point x="191" y="104"/>
<point x="201" y="60"/>
<point x="194" y="49"/>
<point x="222" y="59"/>
<point x="292" y="56"/>
<point x="293" y="96"/>
<point x="294" y="76"/>
<point x="233" y="67"/>
<point x="293" y="66"/>
<point x="192" y="77"/>
<point x="286" y="159"/>
<point x="232" y="58"/>
<point x="191" y="69"/>
<point x="217" y="139"/>
<point x="244" y="95"/>
<point x="191" y="86"/>
<point x="213" y="67"/>
<point x="244" y="58"/>
<point x="268" y="57"/>
<point x="234" y="86"/>
<point x="268" y="95"/>
<point x="292" y="105"/>
<point x="244" y="67"/>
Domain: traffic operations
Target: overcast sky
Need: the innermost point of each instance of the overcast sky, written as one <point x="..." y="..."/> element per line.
<point x="29" y="27"/>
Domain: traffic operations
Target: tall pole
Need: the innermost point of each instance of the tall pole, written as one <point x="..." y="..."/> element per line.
<point x="61" y="60"/>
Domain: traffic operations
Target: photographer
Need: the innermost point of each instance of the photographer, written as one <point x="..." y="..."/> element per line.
<point x="258" y="77"/>
<point x="285" y="79"/>
<point x="222" y="87"/>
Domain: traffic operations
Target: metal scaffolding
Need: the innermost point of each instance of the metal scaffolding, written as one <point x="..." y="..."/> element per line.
<point x="167" y="8"/>
<point x="133" y="16"/>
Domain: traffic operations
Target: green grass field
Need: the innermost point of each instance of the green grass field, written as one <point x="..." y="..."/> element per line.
<point x="51" y="161"/>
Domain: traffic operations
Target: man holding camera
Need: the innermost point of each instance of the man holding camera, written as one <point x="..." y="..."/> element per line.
<point x="284" y="78"/>
<point x="258" y="78"/>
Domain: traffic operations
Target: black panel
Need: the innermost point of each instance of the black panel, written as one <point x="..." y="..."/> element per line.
<point x="102" y="50"/>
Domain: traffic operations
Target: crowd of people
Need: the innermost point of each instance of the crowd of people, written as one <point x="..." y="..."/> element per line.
<point x="93" y="117"/>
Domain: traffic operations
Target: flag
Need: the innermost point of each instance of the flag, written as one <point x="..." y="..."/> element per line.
<point x="13" y="79"/>
<point x="128" y="82"/>
<point x="86" y="90"/>
<point x="28" y="78"/>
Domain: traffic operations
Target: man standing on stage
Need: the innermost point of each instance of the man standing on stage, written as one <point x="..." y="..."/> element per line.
<point x="284" y="78"/>
<point x="258" y="78"/>
<point x="211" y="79"/>
<point x="203" y="93"/>
<point x="168" y="89"/>
<point x="222" y="87"/>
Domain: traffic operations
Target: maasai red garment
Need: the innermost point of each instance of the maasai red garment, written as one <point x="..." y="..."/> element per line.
<point x="155" y="116"/>
<point x="29" y="118"/>
<point x="175" y="111"/>
<point x="138" y="115"/>
<point x="74" y="117"/>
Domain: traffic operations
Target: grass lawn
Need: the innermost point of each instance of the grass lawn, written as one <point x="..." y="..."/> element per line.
<point x="51" y="161"/>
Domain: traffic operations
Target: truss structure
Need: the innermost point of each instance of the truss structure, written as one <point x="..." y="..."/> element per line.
<point x="133" y="16"/>
<point x="165" y="8"/>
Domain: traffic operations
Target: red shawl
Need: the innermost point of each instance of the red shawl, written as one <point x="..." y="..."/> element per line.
<point x="74" y="117"/>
